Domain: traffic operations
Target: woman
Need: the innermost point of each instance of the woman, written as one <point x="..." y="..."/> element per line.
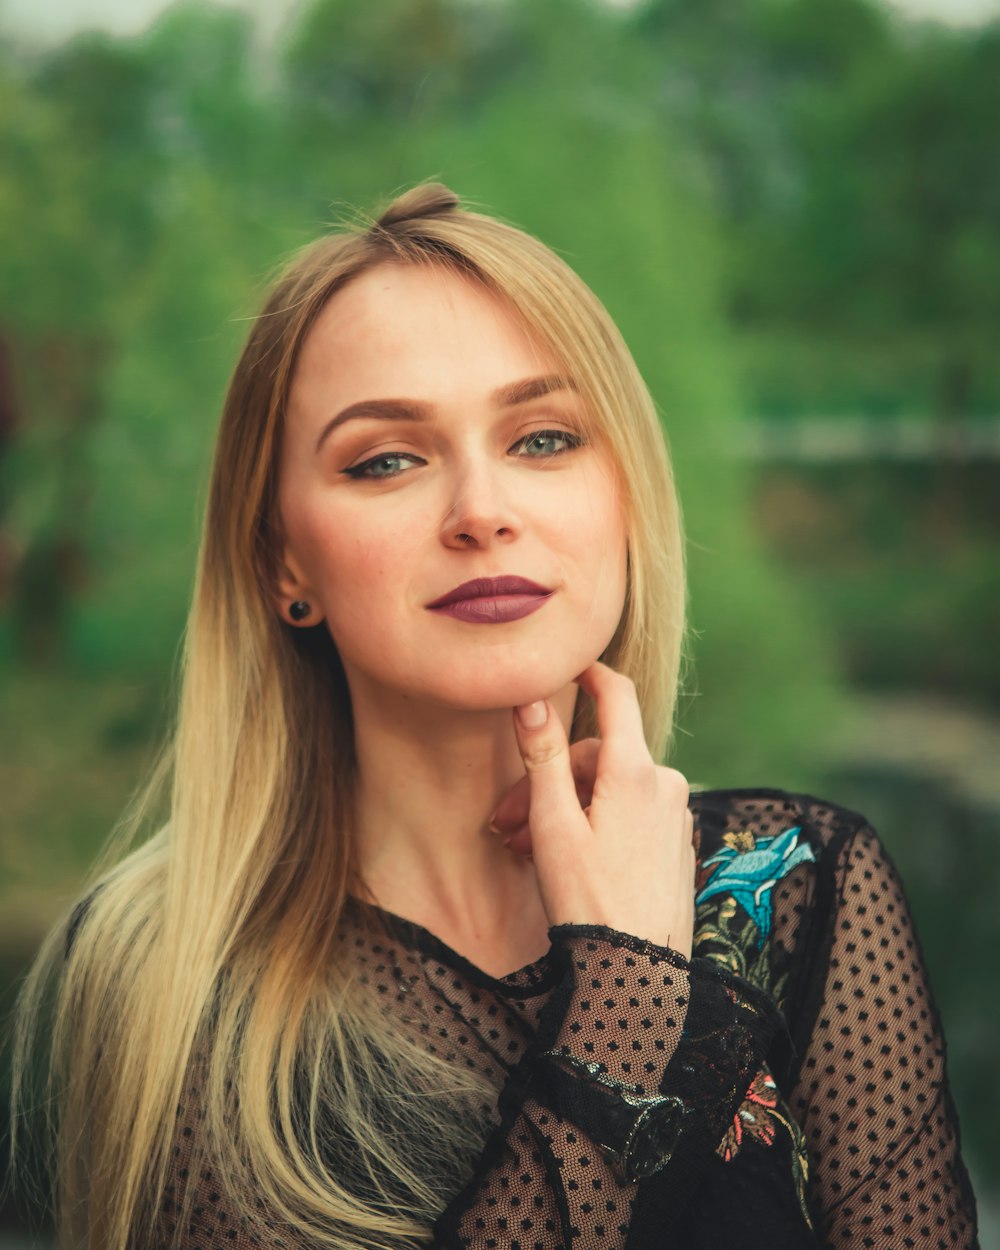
<point x="410" y="958"/>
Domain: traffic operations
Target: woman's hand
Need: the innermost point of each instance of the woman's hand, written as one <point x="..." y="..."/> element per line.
<point x="609" y="830"/>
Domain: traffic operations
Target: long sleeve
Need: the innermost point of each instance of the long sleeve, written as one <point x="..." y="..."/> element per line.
<point x="872" y="1094"/>
<point x="641" y="1061"/>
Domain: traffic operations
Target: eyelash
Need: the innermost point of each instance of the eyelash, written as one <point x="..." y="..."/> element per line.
<point x="359" y="471"/>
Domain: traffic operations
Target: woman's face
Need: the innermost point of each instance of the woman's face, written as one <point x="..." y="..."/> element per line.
<point x="428" y="444"/>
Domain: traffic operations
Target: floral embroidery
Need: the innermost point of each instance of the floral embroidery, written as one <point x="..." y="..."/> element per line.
<point x="733" y="897"/>
<point x="748" y="868"/>
<point x="752" y="1117"/>
<point x="758" y="1118"/>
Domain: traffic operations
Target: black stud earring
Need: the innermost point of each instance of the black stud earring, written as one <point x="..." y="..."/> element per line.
<point x="299" y="610"/>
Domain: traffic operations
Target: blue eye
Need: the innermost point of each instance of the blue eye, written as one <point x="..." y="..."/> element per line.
<point x="383" y="466"/>
<point x="544" y="443"/>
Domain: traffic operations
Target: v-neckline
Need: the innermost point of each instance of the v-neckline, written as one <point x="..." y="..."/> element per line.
<point x="537" y="977"/>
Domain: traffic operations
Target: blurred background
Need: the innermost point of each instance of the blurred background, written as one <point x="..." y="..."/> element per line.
<point x="791" y="207"/>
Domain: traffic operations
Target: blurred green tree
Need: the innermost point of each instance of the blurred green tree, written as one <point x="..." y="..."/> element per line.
<point x="855" y="161"/>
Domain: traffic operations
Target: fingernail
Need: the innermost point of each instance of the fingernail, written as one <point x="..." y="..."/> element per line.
<point x="533" y="715"/>
<point x="492" y="826"/>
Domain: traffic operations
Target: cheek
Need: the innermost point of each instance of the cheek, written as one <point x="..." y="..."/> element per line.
<point x="335" y="549"/>
<point x="609" y="568"/>
<point x="596" y="526"/>
<point x="359" y="571"/>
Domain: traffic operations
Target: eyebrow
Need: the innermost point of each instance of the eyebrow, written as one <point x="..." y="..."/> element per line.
<point x="507" y="396"/>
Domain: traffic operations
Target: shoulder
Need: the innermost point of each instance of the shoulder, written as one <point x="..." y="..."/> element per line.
<point x="77" y="916"/>
<point x="117" y="917"/>
<point x="778" y="874"/>
<point x="818" y="829"/>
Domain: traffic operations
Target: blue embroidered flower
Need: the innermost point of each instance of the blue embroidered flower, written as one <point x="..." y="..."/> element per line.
<point x="749" y="868"/>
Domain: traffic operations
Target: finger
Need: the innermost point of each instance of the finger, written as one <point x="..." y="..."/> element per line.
<point x="619" y="717"/>
<point x="544" y="749"/>
<point x="519" y="842"/>
<point x="512" y="810"/>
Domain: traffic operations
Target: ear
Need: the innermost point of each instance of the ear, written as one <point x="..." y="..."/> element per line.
<point x="290" y="585"/>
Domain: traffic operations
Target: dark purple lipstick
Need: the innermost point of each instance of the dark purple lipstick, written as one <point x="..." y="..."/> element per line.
<point x="492" y="600"/>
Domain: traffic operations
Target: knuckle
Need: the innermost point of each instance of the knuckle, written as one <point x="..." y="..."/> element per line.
<point x="639" y="777"/>
<point x="676" y="785"/>
<point x="541" y="754"/>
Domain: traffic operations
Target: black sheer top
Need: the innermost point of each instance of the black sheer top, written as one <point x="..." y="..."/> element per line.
<point x="784" y="1087"/>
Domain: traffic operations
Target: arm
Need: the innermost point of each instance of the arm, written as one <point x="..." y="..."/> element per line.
<point x="641" y="1061"/>
<point x="645" y="1056"/>
<point x="871" y="1092"/>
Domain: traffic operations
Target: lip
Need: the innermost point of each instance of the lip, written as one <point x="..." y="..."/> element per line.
<point x="492" y="600"/>
<point x="490" y="588"/>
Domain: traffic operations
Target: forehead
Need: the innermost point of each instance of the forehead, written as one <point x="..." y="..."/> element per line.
<point x="413" y="330"/>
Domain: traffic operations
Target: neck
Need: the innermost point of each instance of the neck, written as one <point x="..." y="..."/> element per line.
<point x="428" y="781"/>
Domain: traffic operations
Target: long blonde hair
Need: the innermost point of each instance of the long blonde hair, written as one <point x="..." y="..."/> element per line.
<point x="212" y="948"/>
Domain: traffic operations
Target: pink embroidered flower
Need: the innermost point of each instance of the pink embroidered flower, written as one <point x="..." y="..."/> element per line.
<point x="754" y="1116"/>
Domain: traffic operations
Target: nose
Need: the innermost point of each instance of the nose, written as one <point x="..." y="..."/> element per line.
<point x="482" y="508"/>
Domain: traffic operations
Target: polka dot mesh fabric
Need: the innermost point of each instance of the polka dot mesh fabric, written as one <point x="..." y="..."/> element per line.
<point x="872" y="1094"/>
<point x="785" y="1087"/>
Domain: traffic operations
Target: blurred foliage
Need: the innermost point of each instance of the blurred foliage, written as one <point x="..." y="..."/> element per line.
<point x="789" y="206"/>
<point x="154" y="182"/>
<point x="906" y="559"/>
<point x="857" y="165"/>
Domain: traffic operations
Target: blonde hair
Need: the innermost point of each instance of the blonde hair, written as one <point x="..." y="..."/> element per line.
<point x="211" y="951"/>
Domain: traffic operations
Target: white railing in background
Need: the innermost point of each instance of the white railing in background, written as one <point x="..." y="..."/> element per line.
<point x="833" y="439"/>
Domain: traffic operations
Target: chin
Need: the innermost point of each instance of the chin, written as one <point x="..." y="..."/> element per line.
<point x="509" y="685"/>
